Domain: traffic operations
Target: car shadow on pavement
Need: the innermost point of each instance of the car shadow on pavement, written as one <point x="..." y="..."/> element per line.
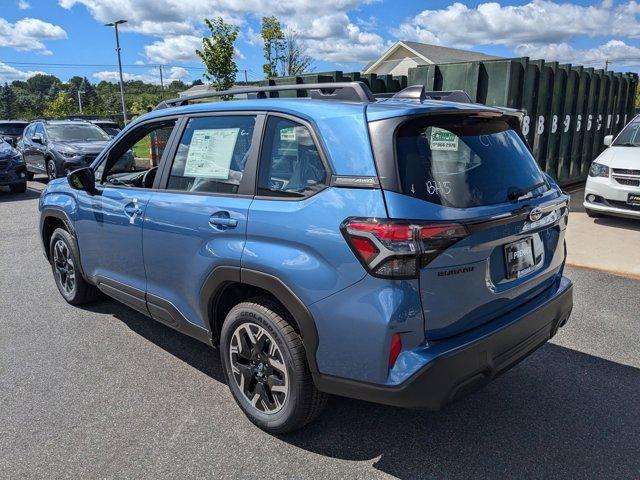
<point x="7" y="196"/>
<point x="616" y="222"/>
<point x="561" y="413"/>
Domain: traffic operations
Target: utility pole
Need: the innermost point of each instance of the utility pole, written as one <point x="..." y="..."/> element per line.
<point x="606" y="64"/>
<point x="245" y="76"/>
<point x="161" y="81"/>
<point x="80" y="91"/>
<point x="124" y="107"/>
<point x="80" y="100"/>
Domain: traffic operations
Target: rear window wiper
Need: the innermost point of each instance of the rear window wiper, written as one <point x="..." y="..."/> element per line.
<point x="516" y="194"/>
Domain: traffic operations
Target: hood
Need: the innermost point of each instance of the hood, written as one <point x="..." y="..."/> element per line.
<point x="621" y="157"/>
<point x="84" y="148"/>
<point x="6" y="150"/>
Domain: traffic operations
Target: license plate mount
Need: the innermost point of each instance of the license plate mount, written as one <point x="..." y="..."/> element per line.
<point x="519" y="257"/>
<point x="633" y="199"/>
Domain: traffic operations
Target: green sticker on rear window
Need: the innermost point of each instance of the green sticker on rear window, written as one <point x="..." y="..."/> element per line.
<point x="443" y="140"/>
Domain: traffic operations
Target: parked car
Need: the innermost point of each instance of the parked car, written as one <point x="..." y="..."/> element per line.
<point x="402" y="251"/>
<point x="110" y="127"/>
<point x="12" y="168"/>
<point x="613" y="185"/>
<point x="11" y="130"/>
<point x="56" y="147"/>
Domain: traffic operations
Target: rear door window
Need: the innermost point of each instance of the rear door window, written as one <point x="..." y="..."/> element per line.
<point x="465" y="162"/>
<point x="290" y="164"/>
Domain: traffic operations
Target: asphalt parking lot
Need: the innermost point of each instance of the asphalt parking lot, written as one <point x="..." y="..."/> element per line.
<point x="103" y="392"/>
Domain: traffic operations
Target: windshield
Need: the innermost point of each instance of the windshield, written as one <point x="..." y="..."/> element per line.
<point x="629" y="135"/>
<point x="465" y="162"/>
<point x="76" y="133"/>
<point x="111" y="131"/>
<point x="14" y="130"/>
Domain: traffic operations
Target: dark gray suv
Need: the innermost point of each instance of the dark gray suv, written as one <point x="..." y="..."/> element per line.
<point x="57" y="147"/>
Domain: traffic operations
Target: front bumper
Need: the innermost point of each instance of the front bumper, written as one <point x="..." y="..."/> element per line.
<point x="471" y="363"/>
<point x="13" y="176"/>
<point x="611" y="210"/>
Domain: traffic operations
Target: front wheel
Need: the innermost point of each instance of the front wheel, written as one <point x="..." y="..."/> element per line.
<point x="266" y="369"/>
<point x="52" y="170"/>
<point x="592" y="213"/>
<point x="18" y="187"/>
<point x="64" y="263"/>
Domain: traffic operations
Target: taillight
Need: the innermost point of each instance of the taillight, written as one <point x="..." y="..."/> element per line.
<point x="398" y="249"/>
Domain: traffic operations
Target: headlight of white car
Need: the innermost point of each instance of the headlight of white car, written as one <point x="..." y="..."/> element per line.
<point x="598" y="170"/>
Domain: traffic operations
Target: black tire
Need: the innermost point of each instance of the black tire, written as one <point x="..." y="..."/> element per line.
<point x="29" y="175"/>
<point x="302" y="402"/>
<point x="592" y="213"/>
<point x="18" y="187"/>
<point x="52" y="170"/>
<point x="64" y="264"/>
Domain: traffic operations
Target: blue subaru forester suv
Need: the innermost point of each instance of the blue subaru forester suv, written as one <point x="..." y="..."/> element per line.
<point x="402" y="250"/>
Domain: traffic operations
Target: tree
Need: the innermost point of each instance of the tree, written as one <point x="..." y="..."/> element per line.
<point x="274" y="44"/>
<point x="61" y="106"/>
<point x="294" y="59"/>
<point x="8" y="104"/>
<point x="217" y="53"/>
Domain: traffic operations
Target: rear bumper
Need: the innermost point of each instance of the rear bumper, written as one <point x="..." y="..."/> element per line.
<point x="467" y="366"/>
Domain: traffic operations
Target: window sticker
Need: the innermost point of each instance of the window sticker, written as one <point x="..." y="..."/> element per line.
<point x="288" y="134"/>
<point x="443" y="140"/>
<point x="210" y="153"/>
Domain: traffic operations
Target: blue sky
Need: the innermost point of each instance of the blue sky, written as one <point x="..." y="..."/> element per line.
<point x="67" y="37"/>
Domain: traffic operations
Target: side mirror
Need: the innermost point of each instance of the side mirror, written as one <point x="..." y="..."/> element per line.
<point x="37" y="138"/>
<point x="83" y="179"/>
<point x="608" y="140"/>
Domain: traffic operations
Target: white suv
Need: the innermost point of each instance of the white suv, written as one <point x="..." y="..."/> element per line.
<point x="613" y="186"/>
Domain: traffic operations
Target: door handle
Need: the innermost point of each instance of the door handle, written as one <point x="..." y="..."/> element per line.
<point x="133" y="209"/>
<point x="222" y="221"/>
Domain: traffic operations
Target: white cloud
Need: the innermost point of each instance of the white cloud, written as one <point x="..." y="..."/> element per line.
<point x="181" y="48"/>
<point x="23" y="5"/>
<point x="615" y="51"/>
<point x="151" y="76"/>
<point x="178" y="73"/>
<point x="324" y="26"/>
<point x="114" y="77"/>
<point x="8" y="73"/>
<point x="29" y="34"/>
<point x="537" y="22"/>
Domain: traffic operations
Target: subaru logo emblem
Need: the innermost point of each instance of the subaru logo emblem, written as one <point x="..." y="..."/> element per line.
<point x="535" y="214"/>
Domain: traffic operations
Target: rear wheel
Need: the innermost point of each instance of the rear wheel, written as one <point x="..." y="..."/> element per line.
<point x="64" y="263"/>
<point x="265" y="366"/>
<point x="592" y="213"/>
<point x="18" y="187"/>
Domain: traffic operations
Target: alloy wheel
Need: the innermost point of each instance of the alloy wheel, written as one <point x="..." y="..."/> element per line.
<point x="51" y="170"/>
<point x="258" y="368"/>
<point x="65" y="269"/>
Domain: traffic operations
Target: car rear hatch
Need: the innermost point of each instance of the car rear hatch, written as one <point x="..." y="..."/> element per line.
<point x="488" y="224"/>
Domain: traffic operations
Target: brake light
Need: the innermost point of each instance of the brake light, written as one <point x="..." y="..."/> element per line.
<point x="398" y="249"/>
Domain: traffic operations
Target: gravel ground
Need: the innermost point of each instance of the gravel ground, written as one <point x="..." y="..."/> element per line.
<point x="103" y="392"/>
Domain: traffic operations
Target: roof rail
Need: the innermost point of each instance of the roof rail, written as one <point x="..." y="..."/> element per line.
<point x="345" y="91"/>
<point x="419" y="94"/>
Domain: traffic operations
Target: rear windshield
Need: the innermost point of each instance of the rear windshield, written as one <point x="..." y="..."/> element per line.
<point x="465" y="162"/>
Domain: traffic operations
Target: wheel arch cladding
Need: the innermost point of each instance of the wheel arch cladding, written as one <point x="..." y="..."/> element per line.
<point x="249" y="284"/>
